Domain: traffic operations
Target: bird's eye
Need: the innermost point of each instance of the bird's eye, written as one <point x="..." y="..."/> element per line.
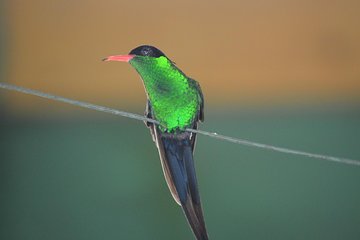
<point x="146" y="52"/>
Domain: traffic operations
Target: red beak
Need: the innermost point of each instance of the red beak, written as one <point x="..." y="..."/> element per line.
<point x="121" y="58"/>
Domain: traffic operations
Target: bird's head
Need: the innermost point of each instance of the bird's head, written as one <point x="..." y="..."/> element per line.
<point x="148" y="61"/>
<point x="137" y="53"/>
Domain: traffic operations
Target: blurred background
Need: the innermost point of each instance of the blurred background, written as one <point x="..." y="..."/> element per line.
<point x="279" y="72"/>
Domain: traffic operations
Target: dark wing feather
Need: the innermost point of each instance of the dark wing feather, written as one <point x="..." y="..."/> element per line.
<point x="200" y="115"/>
<point x="164" y="164"/>
<point x="201" y="98"/>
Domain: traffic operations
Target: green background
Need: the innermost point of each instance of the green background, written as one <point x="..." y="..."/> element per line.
<point x="99" y="177"/>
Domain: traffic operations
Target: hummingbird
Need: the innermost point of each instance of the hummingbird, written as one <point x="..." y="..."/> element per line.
<point x="177" y="103"/>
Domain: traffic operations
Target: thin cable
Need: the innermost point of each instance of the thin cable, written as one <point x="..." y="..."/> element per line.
<point x="274" y="148"/>
<point x="76" y="103"/>
<point x="209" y="134"/>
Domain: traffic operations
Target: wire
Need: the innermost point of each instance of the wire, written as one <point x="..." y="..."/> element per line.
<point x="209" y="134"/>
<point x="276" y="149"/>
<point x="76" y="103"/>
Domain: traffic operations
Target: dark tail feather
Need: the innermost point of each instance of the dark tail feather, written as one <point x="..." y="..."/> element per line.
<point x="178" y="166"/>
<point x="194" y="205"/>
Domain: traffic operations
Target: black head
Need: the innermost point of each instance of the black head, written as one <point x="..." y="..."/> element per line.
<point x="146" y="50"/>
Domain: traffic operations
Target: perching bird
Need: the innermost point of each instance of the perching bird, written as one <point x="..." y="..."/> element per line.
<point x="177" y="103"/>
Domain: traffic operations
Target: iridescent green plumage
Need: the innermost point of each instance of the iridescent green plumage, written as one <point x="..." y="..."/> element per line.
<point x="175" y="98"/>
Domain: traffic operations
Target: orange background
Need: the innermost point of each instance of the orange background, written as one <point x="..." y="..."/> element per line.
<point x="241" y="52"/>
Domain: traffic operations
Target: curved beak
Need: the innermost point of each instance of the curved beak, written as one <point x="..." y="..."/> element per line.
<point x="120" y="58"/>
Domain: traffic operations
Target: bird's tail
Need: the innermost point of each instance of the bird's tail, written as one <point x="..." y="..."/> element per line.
<point x="176" y="153"/>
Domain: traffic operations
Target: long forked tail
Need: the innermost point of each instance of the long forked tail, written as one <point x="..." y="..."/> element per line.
<point x="177" y="161"/>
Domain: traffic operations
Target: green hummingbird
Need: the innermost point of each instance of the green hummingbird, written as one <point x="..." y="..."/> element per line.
<point x="177" y="103"/>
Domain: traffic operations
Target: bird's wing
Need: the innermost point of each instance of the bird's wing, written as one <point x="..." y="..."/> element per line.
<point x="176" y="155"/>
<point x="164" y="164"/>
<point x="200" y="115"/>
